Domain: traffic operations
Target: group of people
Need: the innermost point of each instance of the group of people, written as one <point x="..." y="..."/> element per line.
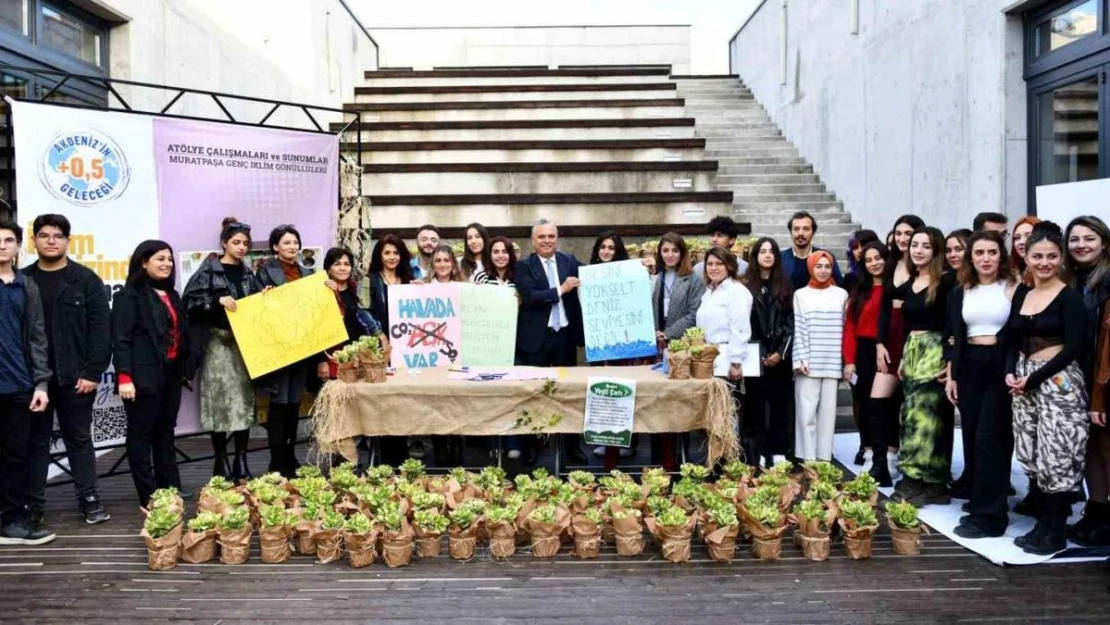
<point x="1017" y="337"/>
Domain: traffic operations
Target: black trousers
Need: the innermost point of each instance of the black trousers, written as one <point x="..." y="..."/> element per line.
<point x="282" y="423"/>
<point x="988" y="435"/>
<point x="75" y="424"/>
<point x="15" y="432"/>
<point x="861" y="390"/>
<point x="767" y="415"/>
<point x="556" y="350"/>
<point x="151" y="419"/>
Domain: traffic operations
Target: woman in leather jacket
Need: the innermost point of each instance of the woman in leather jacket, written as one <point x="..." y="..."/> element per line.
<point x="765" y="431"/>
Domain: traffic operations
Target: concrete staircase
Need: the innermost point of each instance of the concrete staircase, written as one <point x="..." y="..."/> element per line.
<point x="769" y="179"/>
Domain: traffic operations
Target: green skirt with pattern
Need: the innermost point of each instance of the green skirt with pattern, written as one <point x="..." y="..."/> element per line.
<point x="226" y="392"/>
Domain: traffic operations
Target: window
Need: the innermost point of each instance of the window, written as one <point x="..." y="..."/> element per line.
<point x="1064" y="27"/>
<point x="70" y="35"/>
<point x="1068" y="132"/>
<point x="13" y="14"/>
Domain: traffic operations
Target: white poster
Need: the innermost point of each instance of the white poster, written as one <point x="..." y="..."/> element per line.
<point x="610" y="410"/>
<point x="1063" y="202"/>
<point x="97" y="169"/>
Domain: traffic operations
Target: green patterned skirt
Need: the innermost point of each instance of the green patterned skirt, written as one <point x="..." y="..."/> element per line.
<point x="923" y="452"/>
<point x="226" y="392"/>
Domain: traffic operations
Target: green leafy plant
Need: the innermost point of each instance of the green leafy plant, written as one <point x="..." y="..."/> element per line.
<point x="431" y="521"/>
<point x="625" y="513"/>
<point x="461" y="475"/>
<point x="235" y="519"/>
<point x="309" y="470"/>
<point x="543" y="514"/>
<point x="274" y="478"/>
<point x="362" y="492"/>
<point x="219" y="482"/>
<point x="379" y="498"/>
<point x="593" y="514"/>
<point x="809" y="509"/>
<point x="333" y="520"/>
<point x="412" y="468"/>
<point x="232" y="498"/>
<point x="690" y="489"/>
<point x="270" y="494"/>
<point x="359" y="524"/>
<point x="323" y="498"/>
<point x="490" y="477"/>
<point x="863" y="487"/>
<point x="498" y="514"/>
<point x="273" y="516"/>
<point x="343" y="479"/>
<point x="821" y="491"/>
<point x="308" y="484"/>
<point x="678" y="345"/>
<point x="582" y="479"/>
<point x="423" y="501"/>
<point x="860" y="513"/>
<point x="736" y="470"/>
<point x="672" y="516"/>
<point x="784" y="467"/>
<point x="477" y="506"/>
<point x="766" y="496"/>
<point x="825" y="471"/>
<point x="408" y="489"/>
<point x="773" y="478"/>
<point x="390" y="516"/>
<point x="161" y="521"/>
<point x="693" y="334"/>
<point x="766" y="514"/>
<point x="379" y="474"/>
<point x="903" y="514"/>
<point x="371" y="344"/>
<point x="656" y="505"/>
<point x="724" y="516"/>
<point x="463" y="517"/>
<point x="204" y="521"/>
<point x="163" y="497"/>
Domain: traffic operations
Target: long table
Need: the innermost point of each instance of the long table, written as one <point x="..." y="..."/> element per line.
<point x="429" y="403"/>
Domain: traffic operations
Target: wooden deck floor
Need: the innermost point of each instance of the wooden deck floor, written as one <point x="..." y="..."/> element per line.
<point x="99" y="573"/>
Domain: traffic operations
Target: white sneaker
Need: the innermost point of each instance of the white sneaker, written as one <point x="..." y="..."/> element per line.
<point x="868" y="460"/>
<point x="513" y="454"/>
<point x="777" y="459"/>
<point x="892" y="466"/>
<point x="599" y="451"/>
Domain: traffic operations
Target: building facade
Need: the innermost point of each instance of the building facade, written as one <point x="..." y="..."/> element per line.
<point x="942" y="108"/>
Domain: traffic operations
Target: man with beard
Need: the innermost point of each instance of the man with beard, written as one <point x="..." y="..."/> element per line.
<point x="802" y="227"/>
<point x="427" y="238"/>
<point x="78" y="329"/>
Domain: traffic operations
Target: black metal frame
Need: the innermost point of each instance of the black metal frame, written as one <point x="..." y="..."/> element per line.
<point x="220" y="98"/>
<point x="1081" y="60"/>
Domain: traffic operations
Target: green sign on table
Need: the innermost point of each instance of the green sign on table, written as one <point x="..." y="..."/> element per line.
<point x="610" y="409"/>
<point x="488" y="324"/>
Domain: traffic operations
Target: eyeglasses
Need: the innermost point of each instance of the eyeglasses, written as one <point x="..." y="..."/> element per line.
<point x="43" y="236"/>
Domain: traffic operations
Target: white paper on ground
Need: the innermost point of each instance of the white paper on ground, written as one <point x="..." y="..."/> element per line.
<point x="944" y="519"/>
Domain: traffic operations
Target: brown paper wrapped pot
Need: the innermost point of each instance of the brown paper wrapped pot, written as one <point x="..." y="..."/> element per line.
<point x="462" y="543"/>
<point x="329" y="546"/>
<point x="907" y="542"/>
<point x="360" y="548"/>
<point x="274" y="544"/>
<point x="235" y="546"/>
<point x="198" y="547"/>
<point x="162" y="552"/>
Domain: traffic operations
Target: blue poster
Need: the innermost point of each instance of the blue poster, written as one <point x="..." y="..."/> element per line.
<point x="616" y="311"/>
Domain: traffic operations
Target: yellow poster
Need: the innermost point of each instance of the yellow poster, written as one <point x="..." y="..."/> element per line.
<point x="287" y="324"/>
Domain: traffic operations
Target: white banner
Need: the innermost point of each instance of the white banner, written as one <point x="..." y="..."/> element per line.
<point x="97" y="169"/>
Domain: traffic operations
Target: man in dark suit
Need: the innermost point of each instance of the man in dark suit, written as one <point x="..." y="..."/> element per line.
<point x="549" y="327"/>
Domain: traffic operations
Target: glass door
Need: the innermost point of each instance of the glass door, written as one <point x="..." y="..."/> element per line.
<point x="1069" y="127"/>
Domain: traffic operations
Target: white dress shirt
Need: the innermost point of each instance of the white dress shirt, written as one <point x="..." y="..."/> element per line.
<point x="725" y="317"/>
<point x="551" y="270"/>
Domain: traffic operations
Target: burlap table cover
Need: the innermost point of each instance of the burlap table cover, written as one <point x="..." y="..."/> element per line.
<point x="429" y="403"/>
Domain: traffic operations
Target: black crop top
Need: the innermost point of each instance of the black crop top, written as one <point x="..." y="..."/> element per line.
<point x="917" y="313"/>
<point x="1062" y="322"/>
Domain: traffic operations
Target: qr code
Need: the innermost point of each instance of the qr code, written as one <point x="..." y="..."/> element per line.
<point x="109" y="424"/>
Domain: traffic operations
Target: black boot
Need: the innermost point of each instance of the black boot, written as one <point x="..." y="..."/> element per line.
<point x="219" y="449"/>
<point x="1057" y="508"/>
<point x="1031" y="505"/>
<point x="881" y="473"/>
<point x="1093" y="530"/>
<point x="240" y="470"/>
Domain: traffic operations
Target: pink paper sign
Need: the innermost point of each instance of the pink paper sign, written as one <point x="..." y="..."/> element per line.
<point x="425" y="326"/>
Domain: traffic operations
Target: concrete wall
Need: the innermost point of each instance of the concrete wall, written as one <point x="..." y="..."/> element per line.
<point x="923" y="111"/>
<point x="309" y="52"/>
<point x="423" y="48"/>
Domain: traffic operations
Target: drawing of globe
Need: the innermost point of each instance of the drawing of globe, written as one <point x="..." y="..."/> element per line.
<point x="84" y="168"/>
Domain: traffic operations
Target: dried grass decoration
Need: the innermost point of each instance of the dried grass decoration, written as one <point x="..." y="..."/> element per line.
<point x="235" y="536"/>
<point x="858" y="524"/>
<point x="359" y="535"/>
<point x="905" y="528"/>
<point x="199" y="543"/>
<point x="162" y="534"/>
<point x="373" y="356"/>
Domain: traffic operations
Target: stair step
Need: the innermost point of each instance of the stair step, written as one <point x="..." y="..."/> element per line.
<point x="384" y="178"/>
<point x="793" y="190"/>
<point x="762" y="159"/>
<point x="730" y="169"/>
<point x="788" y="206"/>
<point x="732" y="180"/>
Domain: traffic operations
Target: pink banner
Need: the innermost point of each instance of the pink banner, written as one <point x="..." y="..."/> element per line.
<point x="261" y="176"/>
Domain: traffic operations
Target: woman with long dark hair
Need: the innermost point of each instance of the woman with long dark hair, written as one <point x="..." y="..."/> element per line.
<point x="287" y="385"/>
<point x="954" y="245"/>
<point x="339" y="264"/>
<point x="856" y="242"/>
<point x="924" y="452"/>
<point x="1045" y="341"/>
<point x="977" y="314"/>
<point x="476" y="241"/>
<point x="498" y="260"/>
<point x="226" y="393"/>
<point x="608" y="247"/>
<point x="766" y="426"/>
<point x="861" y="327"/>
<point x="886" y="391"/>
<point x="1088" y="260"/>
<point x="390" y="265"/>
<point x="150" y="351"/>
